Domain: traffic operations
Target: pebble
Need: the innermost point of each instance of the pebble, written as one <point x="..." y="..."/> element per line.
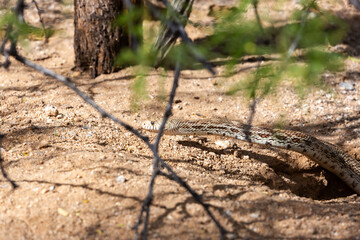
<point x="63" y="212"/>
<point x="349" y="86"/>
<point x="223" y="144"/>
<point x="120" y="179"/>
<point x="72" y="135"/>
<point x="43" y="144"/>
<point x="51" y="111"/>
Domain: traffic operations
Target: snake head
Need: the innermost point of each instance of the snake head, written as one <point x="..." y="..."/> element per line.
<point x="152" y="126"/>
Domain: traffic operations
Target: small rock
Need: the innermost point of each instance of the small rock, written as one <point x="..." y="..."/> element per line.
<point x="228" y="213"/>
<point x="44" y="191"/>
<point x="255" y="215"/>
<point x="223" y="144"/>
<point x="59" y="116"/>
<point x="72" y="135"/>
<point x="75" y="74"/>
<point x="51" y="111"/>
<point x="77" y="119"/>
<point x="347" y="86"/>
<point x="44" y="144"/>
<point x="120" y="179"/>
<point x="63" y="212"/>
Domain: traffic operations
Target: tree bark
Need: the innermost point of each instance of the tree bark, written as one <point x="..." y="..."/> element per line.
<point x="97" y="41"/>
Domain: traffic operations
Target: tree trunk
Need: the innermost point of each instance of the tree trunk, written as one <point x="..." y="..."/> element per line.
<point x="96" y="40"/>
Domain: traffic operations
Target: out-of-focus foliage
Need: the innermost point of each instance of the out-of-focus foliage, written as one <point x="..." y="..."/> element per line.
<point x="18" y="31"/>
<point x="300" y="47"/>
<point x="310" y="31"/>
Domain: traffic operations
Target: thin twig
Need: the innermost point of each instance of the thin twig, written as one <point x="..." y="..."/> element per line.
<point x="3" y="172"/>
<point x="6" y="62"/>
<point x="168" y="110"/>
<point x="41" y="20"/>
<point x="147" y="202"/>
<point x="255" y="4"/>
<point x="19" y="10"/>
<point x="296" y="41"/>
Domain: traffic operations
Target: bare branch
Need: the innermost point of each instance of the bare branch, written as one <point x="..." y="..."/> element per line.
<point x="255" y="4"/>
<point x="168" y="109"/>
<point x="41" y="20"/>
<point x="3" y="172"/>
<point x="7" y="62"/>
<point x="295" y="43"/>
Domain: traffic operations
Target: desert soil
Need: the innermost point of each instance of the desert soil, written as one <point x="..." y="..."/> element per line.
<point x="83" y="177"/>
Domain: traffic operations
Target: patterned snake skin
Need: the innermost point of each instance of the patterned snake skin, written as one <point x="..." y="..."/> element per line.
<point x="325" y="154"/>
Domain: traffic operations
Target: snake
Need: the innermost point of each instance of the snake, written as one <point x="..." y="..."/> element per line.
<point x="327" y="155"/>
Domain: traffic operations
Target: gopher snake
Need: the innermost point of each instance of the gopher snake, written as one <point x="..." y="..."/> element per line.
<point x="325" y="154"/>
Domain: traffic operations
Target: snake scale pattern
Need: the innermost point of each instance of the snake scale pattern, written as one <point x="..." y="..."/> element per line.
<point x="325" y="154"/>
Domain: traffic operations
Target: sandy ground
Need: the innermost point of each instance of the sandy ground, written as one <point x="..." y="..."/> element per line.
<point x="82" y="177"/>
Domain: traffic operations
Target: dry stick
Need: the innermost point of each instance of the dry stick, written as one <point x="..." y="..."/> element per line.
<point x="7" y="62"/>
<point x="19" y="11"/>
<point x="168" y="110"/>
<point x="41" y="20"/>
<point x="13" y="184"/>
<point x="295" y="43"/>
<point x="147" y="202"/>
<point x="255" y="4"/>
<point x="172" y="176"/>
<point x="252" y="108"/>
<point x="356" y="3"/>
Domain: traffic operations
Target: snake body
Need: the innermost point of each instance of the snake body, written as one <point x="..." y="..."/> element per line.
<point x="327" y="155"/>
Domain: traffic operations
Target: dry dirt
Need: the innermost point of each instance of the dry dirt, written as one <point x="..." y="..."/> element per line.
<point x="70" y="164"/>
